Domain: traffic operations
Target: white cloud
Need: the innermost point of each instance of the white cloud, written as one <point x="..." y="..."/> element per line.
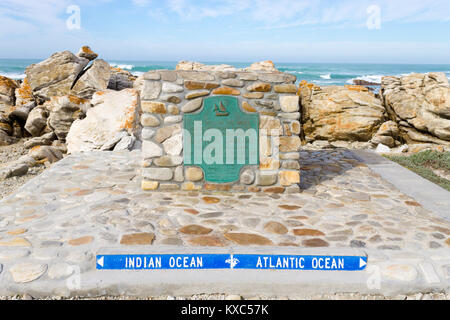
<point x="301" y="12"/>
<point x="43" y="12"/>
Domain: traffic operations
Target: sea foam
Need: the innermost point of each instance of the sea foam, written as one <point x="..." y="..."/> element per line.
<point x="13" y="75"/>
<point x="122" y="66"/>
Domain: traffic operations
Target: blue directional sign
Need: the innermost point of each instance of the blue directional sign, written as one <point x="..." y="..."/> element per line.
<point x="230" y="261"/>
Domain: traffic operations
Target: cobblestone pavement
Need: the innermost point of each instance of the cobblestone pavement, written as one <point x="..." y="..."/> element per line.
<point x="88" y="201"/>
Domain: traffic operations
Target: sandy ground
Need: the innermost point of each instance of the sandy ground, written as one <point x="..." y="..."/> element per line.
<point x="10" y="154"/>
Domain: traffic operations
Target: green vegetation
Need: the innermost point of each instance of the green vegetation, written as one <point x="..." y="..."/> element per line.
<point x="425" y="162"/>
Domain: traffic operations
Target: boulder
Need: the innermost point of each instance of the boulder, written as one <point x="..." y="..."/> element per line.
<point x="195" y="66"/>
<point x="61" y="146"/>
<point x="126" y="143"/>
<point x="420" y="103"/>
<point x="120" y="79"/>
<point x="349" y="113"/>
<point x="139" y="83"/>
<point x="46" y="153"/>
<point x="5" y="139"/>
<point x="44" y="140"/>
<point x="189" y="65"/>
<point x="381" y="149"/>
<point x="24" y="94"/>
<point x="56" y="75"/>
<point x="36" y="122"/>
<point x="6" y="124"/>
<point x="387" y="135"/>
<point x="7" y="92"/>
<point x="110" y="144"/>
<point x="95" y="78"/>
<point x="87" y="53"/>
<point x="21" y="112"/>
<point x="64" y="111"/>
<point x="112" y="112"/>
<point x="13" y="170"/>
<point x="17" y="129"/>
<point x="266" y="66"/>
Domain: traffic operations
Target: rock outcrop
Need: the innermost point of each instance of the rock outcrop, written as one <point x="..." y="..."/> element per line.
<point x="420" y="104"/>
<point x="21" y="112"/>
<point x="196" y="66"/>
<point x="6" y="130"/>
<point x="56" y="75"/>
<point x="120" y="79"/>
<point x="46" y="153"/>
<point x="95" y="78"/>
<point x="266" y="66"/>
<point x="112" y="113"/>
<point x="36" y="121"/>
<point x="63" y="111"/>
<point x="349" y="113"/>
<point x="387" y="135"/>
<point x="87" y="53"/>
<point x="24" y="94"/>
<point x="7" y="92"/>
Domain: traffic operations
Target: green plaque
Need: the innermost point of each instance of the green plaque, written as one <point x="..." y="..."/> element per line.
<point x="221" y="139"/>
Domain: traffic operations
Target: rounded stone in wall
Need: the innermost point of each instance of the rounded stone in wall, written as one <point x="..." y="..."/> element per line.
<point x="247" y="177"/>
<point x="194" y="174"/>
<point x="178" y="174"/>
<point x="192" y="106"/>
<point x="148" y="120"/>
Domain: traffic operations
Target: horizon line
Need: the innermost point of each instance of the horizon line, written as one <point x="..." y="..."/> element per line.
<point x="243" y="62"/>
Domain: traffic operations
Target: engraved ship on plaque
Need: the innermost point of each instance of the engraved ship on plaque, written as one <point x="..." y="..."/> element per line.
<point x="221" y="111"/>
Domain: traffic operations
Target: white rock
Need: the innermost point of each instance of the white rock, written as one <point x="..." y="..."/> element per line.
<point x="112" y="112"/>
<point x="126" y="143"/>
<point x="383" y="149"/>
<point x="173" y="119"/>
<point x="114" y="141"/>
<point x="179" y="174"/>
<point x="174" y="145"/>
<point x="147" y="133"/>
<point x="151" y="150"/>
<point x="151" y="90"/>
<point x="168" y="87"/>
<point x="289" y="103"/>
<point x="164" y="174"/>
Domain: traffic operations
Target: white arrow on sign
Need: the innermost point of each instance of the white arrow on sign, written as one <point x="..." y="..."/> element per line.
<point x="362" y="263"/>
<point x="101" y="261"/>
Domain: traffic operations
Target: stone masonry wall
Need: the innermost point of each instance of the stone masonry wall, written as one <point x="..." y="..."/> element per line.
<point x="167" y="95"/>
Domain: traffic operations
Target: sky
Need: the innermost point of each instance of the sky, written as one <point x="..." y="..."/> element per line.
<point x="347" y="31"/>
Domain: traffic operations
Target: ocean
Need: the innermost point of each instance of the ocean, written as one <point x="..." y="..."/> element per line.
<point x="319" y="73"/>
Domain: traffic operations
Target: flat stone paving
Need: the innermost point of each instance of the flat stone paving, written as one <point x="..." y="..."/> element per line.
<point x="93" y="200"/>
